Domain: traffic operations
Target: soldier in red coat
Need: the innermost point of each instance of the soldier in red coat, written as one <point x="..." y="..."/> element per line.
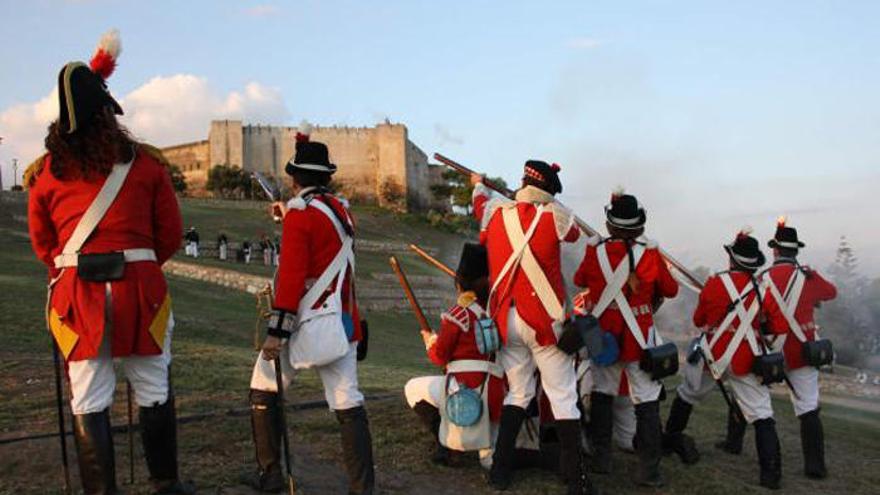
<point x="626" y="279"/>
<point x="455" y="347"/>
<point x="523" y="237"/>
<point x="733" y="312"/>
<point x="315" y="321"/>
<point x="799" y="289"/>
<point x="103" y="217"/>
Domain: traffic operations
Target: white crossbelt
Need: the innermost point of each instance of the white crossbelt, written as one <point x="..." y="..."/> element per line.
<point x="475" y="366"/>
<point x="788" y="306"/>
<point x="131" y="255"/>
<point x="343" y="259"/>
<point x="522" y="256"/>
<point x="615" y="279"/>
<point x="743" y="331"/>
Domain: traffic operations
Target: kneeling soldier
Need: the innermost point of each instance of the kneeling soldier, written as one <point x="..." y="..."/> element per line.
<point x="627" y="279"/>
<point x="732" y="312"/>
<point x="103" y="217"/>
<point x="314" y="323"/>
<point x="461" y="348"/>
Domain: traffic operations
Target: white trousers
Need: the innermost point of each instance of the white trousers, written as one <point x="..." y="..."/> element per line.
<point x="752" y="397"/>
<point x="222" y="249"/>
<point x="339" y="378"/>
<point x="93" y="381"/>
<point x="521" y="355"/>
<point x="641" y="387"/>
<point x="805" y="381"/>
<point x="429" y="389"/>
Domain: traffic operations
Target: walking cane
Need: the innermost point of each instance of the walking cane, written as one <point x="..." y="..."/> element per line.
<point x="285" y="440"/>
<point x="59" y="402"/>
<point x="130" y="433"/>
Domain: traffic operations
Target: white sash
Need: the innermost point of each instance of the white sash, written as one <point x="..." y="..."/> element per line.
<point x="337" y="267"/>
<point x="615" y="279"/>
<point x="743" y="331"/>
<point x="522" y="256"/>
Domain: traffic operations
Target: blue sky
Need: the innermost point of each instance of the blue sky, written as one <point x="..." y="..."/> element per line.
<point x="716" y="114"/>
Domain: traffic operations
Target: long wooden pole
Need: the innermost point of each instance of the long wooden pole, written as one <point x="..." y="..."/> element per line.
<point x="677" y="265"/>
<point x="432" y="260"/>
<point x="413" y="302"/>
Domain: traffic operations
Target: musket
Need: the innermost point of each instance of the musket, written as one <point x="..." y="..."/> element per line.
<point x="692" y="281"/>
<point x="282" y="414"/>
<point x="59" y="403"/>
<point x="269" y="189"/>
<point x="413" y="302"/>
<point x="432" y="260"/>
<point x="731" y="402"/>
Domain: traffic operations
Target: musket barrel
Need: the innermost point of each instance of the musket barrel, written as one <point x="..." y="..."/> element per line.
<point x="411" y="297"/>
<point x="432" y="260"/>
<point x="687" y="274"/>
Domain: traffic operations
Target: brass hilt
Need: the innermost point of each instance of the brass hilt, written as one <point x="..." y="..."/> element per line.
<point x="264" y="311"/>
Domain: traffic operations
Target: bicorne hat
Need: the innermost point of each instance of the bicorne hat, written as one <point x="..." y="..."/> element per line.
<point x="82" y="89"/>
<point x="474" y="263"/>
<point x="744" y="250"/>
<point x="543" y="176"/>
<point x="310" y="155"/>
<point x="624" y="211"/>
<point x="785" y="237"/>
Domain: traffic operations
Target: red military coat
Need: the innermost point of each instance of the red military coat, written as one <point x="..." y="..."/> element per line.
<point x="309" y="243"/>
<point x="145" y="214"/>
<point x="456" y="341"/>
<point x="655" y="282"/>
<point x="816" y="290"/>
<point x="712" y="309"/>
<point x="555" y="226"/>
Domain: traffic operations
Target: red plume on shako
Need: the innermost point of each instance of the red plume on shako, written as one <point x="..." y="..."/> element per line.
<point x="106" y="54"/>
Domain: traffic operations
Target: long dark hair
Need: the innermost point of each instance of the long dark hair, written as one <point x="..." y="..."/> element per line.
<point x="91" y="150"/>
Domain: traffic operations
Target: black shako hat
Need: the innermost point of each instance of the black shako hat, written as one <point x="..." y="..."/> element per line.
<point x="310" y="155"/>
<point x="744" y="250"/>
<point x="785" y="237"/>
<point x="624" y="211"/>
<point x="474" y="263"/>
<point x="543" y="176"/>
<point x="82" y="89"/>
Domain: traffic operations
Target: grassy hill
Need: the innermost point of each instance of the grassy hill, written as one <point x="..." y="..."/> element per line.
<point x="213" y="356"/>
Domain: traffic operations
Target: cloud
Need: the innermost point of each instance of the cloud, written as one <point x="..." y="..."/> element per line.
<point x="444" y="136"/>
<point x="163" y="111"/>
<point x="262" y="10"/>
<point x="584" y="43"/>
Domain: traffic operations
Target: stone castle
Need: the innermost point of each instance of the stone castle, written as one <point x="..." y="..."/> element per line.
<point x="377" y="165"/>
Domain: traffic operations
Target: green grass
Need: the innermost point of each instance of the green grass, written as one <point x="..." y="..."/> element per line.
<point x="213" y="358"/>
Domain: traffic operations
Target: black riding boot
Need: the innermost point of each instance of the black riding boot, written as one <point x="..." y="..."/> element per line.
<point x="813" y="445"/>
<point x="266" y="427"/>
<point x="159" y="437"/>
<point x="769" y="455"/>
<point x="501" y="474"/>
<point x="674" y="438"/>
<point x="357" y="450"/>
<point x="649" y="446"/>
<point x="571" y="458"/>
<point x="430" y="417"/>
<point x="94" y="451"/>
<point x="601" y="427"/>
<point x="736" y="431"/>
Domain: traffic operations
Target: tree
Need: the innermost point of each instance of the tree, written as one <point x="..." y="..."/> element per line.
<point x="231" y="183"/>
<point x="458" y="189"/>
<point x="177" y="179"/>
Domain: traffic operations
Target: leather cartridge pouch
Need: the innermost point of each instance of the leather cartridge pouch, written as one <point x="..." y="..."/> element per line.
<point x="818" y="352"/>
<point x="101" y="267"/>
<point x="660" y="361"/>
<point x="769" y="368"/>
<point x="581" y="331"/>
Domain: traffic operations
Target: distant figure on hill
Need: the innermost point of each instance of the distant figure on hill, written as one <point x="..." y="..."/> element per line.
<point x="246" y="249"/>
<point x="192" y="242"/>
<point x="222" y="246"/>
<point x="266" y="247"/>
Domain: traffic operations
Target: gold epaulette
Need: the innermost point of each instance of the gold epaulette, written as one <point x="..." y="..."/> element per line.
<point x="33" y="171"/>
<point x="155" y="153"/>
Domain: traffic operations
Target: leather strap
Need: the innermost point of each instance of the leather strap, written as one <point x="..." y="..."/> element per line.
<point x="789" y="305"/>
<point x="343" y="259"/>
<point x="615" y="279"/>
<point x="131" y="256"/>
<point x="743" y="331"/>
<point x="475" y="366"/>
